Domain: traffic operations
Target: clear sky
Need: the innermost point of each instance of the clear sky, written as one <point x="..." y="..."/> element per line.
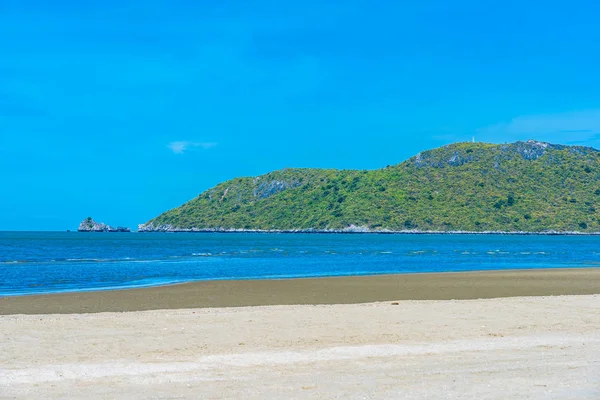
<point x="123" y="109"/>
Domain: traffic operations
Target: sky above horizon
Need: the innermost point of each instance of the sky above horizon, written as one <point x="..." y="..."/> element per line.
<point x="122" y="109"/>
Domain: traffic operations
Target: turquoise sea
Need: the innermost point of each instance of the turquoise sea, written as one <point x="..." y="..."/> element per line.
<point x="49" y="262"/>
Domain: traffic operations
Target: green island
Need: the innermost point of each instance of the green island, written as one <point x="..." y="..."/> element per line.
<point x="476" y="187"/>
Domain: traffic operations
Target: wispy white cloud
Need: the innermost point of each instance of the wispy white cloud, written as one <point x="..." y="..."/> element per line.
<point x="569" y="127"/>
<point x="181" y="147"/>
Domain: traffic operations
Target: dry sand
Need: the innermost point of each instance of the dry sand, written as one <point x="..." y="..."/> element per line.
<point x="511" y="348"/>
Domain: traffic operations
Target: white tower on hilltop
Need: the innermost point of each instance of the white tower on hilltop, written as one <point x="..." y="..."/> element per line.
<point x="473" y="139"/>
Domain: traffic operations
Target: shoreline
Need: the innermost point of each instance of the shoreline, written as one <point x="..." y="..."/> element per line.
<point x="337" y="232"/>
<point x="466" y="285"/>
<point x="283" y="278"/>
<point x="363" y="230"/>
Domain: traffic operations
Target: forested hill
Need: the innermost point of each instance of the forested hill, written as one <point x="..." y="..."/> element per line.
<point x="524" y="186"/>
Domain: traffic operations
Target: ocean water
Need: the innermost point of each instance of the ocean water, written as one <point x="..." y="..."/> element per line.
<point x="49" y="262"/>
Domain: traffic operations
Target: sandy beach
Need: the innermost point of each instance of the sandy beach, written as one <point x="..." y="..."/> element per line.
<point x="428" y="336"/>
<point x="511" y="348"/>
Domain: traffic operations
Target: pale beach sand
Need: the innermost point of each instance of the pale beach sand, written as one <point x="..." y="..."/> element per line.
<point x="509" y="348"/>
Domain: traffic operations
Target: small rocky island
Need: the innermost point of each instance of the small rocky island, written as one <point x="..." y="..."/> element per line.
<point x="89" y="225"/>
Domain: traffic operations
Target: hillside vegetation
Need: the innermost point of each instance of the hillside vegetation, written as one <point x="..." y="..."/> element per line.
<point x="523" y="186"/>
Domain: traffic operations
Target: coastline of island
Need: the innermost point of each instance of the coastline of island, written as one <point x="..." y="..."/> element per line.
<point x="352" y="229"/>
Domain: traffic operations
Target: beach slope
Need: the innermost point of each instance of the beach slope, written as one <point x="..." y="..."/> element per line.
<point x="511" y="348"/>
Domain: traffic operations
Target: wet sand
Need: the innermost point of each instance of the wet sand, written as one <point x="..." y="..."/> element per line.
<point x="514" y="348"/>
<point x="338" y="290"/>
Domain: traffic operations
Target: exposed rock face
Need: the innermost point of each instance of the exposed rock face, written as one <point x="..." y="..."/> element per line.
<point x="158" y="228"/>
<point x="530" y="150"/>
<point x="353" y="229"/>
<point x="451" y="156"/>
<point x="442" y="158"/>
<point x="267" y="189"/>
<point x="89" y="225"/>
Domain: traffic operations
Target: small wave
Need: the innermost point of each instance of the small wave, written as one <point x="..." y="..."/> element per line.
<point x="134" y="284"/>
<point x="81" y="260"/>
<point x="45" y="261"/>
<point x="202" y="254"/>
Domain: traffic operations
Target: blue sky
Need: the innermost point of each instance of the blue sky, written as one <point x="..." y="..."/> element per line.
<point x="123" y="109"/>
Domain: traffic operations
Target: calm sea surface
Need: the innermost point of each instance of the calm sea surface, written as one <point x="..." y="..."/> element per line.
<point x="47" y="262"/>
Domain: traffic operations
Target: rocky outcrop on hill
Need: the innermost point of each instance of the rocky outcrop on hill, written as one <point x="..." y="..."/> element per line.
<point x="265" y="188"/>
<point x="460" y="154"/>
<point x="89" y="225"/>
